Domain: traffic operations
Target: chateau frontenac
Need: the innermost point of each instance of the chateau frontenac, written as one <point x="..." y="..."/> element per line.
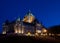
<point x="28" y="24"/>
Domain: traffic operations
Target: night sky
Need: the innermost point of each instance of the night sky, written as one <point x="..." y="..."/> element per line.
<point x="46" y="11"/>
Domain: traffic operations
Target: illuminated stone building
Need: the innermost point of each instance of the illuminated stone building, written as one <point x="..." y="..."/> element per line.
<point x="28" y="24"/>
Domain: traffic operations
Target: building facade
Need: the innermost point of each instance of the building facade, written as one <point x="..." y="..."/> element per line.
<point x="28" y="24"/>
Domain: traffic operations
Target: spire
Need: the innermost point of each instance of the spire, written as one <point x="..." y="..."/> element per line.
<point x="29" y="11"/>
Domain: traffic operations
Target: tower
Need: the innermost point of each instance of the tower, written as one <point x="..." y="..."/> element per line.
<point x="29" y="18"/>
<point x="5" y="27"/>
<point x="17" y="26"/>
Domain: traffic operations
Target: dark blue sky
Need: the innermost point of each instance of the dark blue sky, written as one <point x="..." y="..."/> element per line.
<point x="46" y="11"/>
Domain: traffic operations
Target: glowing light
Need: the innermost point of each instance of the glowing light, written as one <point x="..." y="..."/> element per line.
<point x="41" y="33"/>
<point x="22" y="32"/>
<point x="44" y="30"/>
<point x="4" y="32"/>
<point x="29" y="34"/>
<point x="16" y="31"/>
<point x="29" y="18"/>
<point x="38" y="31"/>
<point x="58" y="34"/>
<point x="19" y="31"/>
<point x="46" y="34"/>
<point x="49" y="34"/>
<point x="52" y="34"/>
<point x="36" y="34"/>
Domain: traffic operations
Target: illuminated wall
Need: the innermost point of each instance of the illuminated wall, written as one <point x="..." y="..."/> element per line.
<point x="28" y="24"/>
